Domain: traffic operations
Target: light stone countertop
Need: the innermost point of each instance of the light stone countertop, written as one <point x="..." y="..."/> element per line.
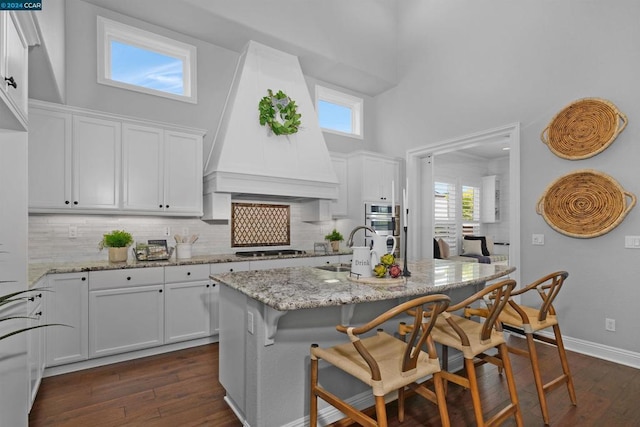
<point x="298" y="288"/>
<point x="39" y="270"/>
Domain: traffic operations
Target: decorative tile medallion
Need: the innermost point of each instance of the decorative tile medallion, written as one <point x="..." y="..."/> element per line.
<point x="256" y="224"/>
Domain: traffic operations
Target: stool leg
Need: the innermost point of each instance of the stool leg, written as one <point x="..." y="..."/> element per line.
<point x="381" y="411"/>
<point x="475" y="394"/>
<point x="313" y="404"/>
<point x="565" y="364"/>
<point x="401" y="404"/>
<point x="513" y="393"/>
<point x="535" y="367"/>
<point x="441" y="398"/>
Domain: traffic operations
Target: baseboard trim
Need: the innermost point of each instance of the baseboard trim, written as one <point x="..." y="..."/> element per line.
<point x="107" y="360"/>
<point x="600" y="351"/>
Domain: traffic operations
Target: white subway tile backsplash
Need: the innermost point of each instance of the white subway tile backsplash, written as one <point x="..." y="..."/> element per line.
<point x="49" y="239"/>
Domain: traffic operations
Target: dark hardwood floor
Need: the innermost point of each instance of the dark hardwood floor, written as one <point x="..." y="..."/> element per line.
<point x="182" y="389"/>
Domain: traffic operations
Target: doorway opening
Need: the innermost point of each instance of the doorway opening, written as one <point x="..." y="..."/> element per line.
<point x="422" y="169"/>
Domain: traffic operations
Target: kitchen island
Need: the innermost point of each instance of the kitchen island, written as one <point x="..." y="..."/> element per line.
<point x="269" y="318"/>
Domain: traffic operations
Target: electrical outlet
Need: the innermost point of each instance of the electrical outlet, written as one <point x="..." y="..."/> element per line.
<point x="167" y="231"/>
<point x="537" y="239"/>
<point x="73" y="231"/>
<point x="610" y="324"/>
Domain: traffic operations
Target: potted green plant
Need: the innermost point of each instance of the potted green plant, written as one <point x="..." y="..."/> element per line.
<point x="118" y="242"/>
<point x="335" y="238"/>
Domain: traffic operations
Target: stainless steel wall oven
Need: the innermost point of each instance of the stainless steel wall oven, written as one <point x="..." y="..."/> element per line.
<point x="385" y="220"/>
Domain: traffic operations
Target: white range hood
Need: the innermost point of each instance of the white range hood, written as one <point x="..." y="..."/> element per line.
<point x="247" y="159"/>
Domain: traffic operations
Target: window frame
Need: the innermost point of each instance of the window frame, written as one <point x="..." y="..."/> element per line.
<point x="108" y="30"/>
<point x="354" y="103"/>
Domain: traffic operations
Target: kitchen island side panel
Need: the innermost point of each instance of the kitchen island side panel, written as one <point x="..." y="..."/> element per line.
<point x="232" y="345"/>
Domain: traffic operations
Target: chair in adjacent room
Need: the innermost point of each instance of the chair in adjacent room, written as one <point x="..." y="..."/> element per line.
<point x="528" y="321"/>
<point x="385" y="363"/>
<point x="475" y="339"/>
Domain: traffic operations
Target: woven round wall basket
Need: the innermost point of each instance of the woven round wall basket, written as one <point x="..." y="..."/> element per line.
<point x="584" y="128"/>
<point x="585" y="203"/>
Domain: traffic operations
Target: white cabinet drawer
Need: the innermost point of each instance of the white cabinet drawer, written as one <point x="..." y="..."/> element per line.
<point x="186" y="273"/>
<point x="229" y="267"/>
<point x="127" y="277"/>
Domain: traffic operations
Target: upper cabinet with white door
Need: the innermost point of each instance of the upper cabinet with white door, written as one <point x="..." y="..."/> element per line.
<point x="162" y="170"/>
<point x="74" y="162"/>
<point x="371" y="177"/>
<point x="83" y="161"/>
<point x="13" y="73"/>
<point x="339" y="206"/>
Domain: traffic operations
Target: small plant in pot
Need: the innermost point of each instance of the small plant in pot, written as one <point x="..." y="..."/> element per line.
<point x="335" y="238"/>
<point x="118" y="242"/>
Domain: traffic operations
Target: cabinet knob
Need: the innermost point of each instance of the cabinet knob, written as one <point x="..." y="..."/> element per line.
<point x="160" y="206"/>
<point x="75" y="202"/>
<point x="231" y="270"/>
<point x="38" y="313"/>
<point x="31" y="298"/>
<point x="39" y="295"/>
<point x="160" y="290"/>
<point x="11" y="81"/>
<point x="128" y="277"/>
<point x="66" y="202"/>
<point x="208" y="285"/>
<point x="166" y="206"/>
<point x="188" y="273"/>
<point x="83" y="279"/>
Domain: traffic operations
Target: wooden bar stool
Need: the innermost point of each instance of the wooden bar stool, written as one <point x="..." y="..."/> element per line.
<point x="474" y="339"/>
<point x="527" y="321"/>
<point x="385" y="363"/>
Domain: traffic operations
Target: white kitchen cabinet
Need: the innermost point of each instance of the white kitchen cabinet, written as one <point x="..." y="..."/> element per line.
<point x="214" y="295"/>
<point x="339" y="206"/>
<point x="371" y="177"/>
<point x="74" y="162"/>
<point x="313" y="261"/>
<point x="67" y="303"/>
<point x="126" y="310"/>
<point x="187" y="302"/>
<point x="13" y="72"/>
<point x="490" y="199"/>
<point x="50" y="159"/>
<point x="162" y="170"/>
<point x="96" y="163"/>
<point x="36" y="340"/>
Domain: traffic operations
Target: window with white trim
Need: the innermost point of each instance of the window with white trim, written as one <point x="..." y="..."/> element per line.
<point x="470" y="210"/>
<point x="339" y="112"/>
<point x="444" y="215"/>
<point x="138" y="60"/>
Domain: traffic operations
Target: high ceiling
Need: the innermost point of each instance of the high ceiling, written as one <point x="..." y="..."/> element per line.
<point x="351" y="44"/>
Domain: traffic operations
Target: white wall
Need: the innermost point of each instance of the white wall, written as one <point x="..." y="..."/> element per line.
<point x="13" y="277"/>
<point x="467" y="66"/>
<point x="215" y="72"/>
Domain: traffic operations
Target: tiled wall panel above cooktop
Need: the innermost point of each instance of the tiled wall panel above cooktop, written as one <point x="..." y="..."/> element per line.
<point x="256" y="224"/>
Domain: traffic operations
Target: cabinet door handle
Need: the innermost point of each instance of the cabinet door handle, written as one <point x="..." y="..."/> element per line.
<point x="32" y="298"/>
<point x="38" y="313"/>
<point x="12" y="82"/>
<point x="83" y="279"/>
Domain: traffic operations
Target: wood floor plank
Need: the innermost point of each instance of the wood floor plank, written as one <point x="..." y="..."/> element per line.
<point x="182" y="389"/>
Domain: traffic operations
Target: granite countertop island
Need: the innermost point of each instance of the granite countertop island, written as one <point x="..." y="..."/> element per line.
<point x="298" y="288"/>
<point x="269" y="319"/>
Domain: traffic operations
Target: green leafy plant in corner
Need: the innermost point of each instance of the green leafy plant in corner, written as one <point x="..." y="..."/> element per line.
<point x="334" y="236"/>
<point x="116" y="239"/>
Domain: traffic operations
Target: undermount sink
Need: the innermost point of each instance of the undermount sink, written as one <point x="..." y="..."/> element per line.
<point x="336" y="267"/>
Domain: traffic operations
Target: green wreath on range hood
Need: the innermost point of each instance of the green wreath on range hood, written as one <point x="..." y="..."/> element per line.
<point x="282" y="105"/>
